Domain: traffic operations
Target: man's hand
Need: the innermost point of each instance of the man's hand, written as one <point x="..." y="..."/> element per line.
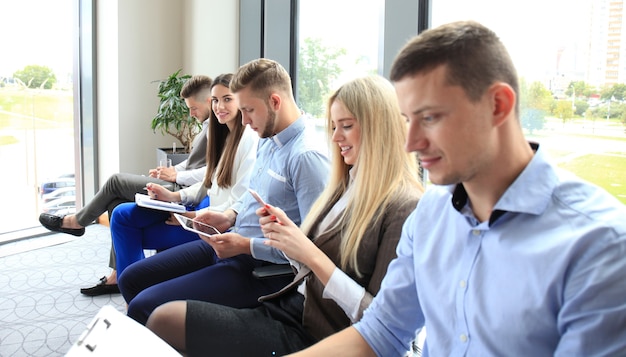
<point x="220" y="220"/>
<point x="228" y="244"/>
<point x="165" y="173"/>
<point x="172" y="221"/>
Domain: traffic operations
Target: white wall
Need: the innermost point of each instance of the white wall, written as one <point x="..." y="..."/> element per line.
<point x="211" y="36"/>
<point x="139" y="42"/>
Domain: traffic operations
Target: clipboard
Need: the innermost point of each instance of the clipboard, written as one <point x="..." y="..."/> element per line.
<point x="112" y="333"/>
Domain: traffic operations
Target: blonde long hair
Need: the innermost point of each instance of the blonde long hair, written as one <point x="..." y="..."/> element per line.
<point x="383" y="168"/>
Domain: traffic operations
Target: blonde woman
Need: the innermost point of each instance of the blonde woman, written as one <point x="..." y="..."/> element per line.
<point x="355" y="225"/>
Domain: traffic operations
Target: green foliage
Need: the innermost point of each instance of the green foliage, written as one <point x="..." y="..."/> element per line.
<point x="533" y="119"/>
<point x="615" y="110"/>
<point x="173" y="115"/>
<point x="34" y="76"/>
<point x="564" y="110"/>
<point x="317" y="69"/>
<point x="616" y="92"/>
<point x="580" y="89"/>
<point x="535" y="101"/>
<point x="535" y="96"/>
<point x="581" y="107"/>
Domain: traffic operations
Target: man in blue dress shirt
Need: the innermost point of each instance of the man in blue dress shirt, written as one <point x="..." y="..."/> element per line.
<point x="289" y="173"/>
<point x="507" y="255"/>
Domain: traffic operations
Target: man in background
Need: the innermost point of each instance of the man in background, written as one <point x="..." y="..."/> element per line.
<point x="122" y="187"/>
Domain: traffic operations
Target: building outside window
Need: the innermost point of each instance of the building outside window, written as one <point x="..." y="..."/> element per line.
<point x="570" y="56"/>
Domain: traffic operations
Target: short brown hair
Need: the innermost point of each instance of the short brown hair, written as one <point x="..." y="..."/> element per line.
<point x="195" y="86"/>
<point x="474" y="55"/>
<point x="262" y="76"/>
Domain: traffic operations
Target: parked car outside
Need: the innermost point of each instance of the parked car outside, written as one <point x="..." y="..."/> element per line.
<point x="58" y="193"/>
<point x="56" y="183"/>
<point x="61" y="206"/>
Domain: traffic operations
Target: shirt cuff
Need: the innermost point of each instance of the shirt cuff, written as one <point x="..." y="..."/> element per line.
<point x="346" y="292"/>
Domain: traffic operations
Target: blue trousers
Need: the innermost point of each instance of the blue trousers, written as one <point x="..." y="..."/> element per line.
<point x="192" y="271"/>
<point x="135" y="228"/>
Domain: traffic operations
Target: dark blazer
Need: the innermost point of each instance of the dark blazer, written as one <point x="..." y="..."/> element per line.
<point x="323" y="317"/>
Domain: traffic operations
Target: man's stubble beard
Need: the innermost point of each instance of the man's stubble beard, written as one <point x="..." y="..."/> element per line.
<point x="268" y="131"/>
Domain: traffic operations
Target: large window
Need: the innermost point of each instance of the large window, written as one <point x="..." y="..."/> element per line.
<point x="36" y="110"/>
<point x="571" y="103"/>
<point x="570" y="56"/>
<point x="333" y="51"/>
<point x="336" y="49"/>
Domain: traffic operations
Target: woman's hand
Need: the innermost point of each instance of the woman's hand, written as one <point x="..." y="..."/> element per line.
<point x="158" y="192"/>
<point x="285" y="235"/>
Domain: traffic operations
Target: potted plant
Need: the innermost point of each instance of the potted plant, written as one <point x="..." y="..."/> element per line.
<point x="173" y="117"/>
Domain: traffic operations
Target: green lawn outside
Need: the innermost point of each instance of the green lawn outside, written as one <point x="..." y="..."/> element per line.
<point x="51" y="109"/>
<point x="608" y="172"/>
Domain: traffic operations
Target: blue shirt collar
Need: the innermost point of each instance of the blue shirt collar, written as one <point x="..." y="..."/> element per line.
<point x="535" y="183"/>
<point x="290" y="132"/>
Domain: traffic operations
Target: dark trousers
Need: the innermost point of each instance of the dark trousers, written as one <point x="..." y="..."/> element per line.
<point x="192" y="271"/>
<point x="273" y="329"/>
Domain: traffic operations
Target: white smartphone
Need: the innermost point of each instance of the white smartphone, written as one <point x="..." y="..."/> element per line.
<point x="257" y="197"/>
<point x="196" y="226"/>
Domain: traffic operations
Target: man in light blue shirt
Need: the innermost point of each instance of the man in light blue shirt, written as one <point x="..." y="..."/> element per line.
<point x="289" y="172"/>
<point x="508" y="255"/>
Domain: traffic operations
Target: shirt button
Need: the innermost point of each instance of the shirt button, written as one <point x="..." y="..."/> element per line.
<point x="462" y="284"/>
<point x="463" y="338"/>
<point x="476" y="232"/>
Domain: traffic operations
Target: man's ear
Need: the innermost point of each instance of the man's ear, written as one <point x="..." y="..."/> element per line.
<point x="503" y="101"/>
<point x="275" y="101"/>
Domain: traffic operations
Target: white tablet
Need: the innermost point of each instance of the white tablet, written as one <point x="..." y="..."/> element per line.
<point x="196" y="226"/>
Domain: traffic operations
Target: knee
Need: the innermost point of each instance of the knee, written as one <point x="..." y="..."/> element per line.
<point x="169" y="314"/>
<point x="121" y="213"/>
<point x="113" y="180"/>
<point x="124" y="278"/>
<point x="142" y="304"/>
<point x="168" y="322"/>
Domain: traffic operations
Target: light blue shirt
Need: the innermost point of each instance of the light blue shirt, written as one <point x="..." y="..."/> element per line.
<point x="547" y="275"/>
<point x="289" y="173"/>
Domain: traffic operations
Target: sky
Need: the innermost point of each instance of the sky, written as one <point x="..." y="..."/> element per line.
<point x="36" y="32"/>
<point x="40" y="31"/>
<point x="532" y="30"/>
